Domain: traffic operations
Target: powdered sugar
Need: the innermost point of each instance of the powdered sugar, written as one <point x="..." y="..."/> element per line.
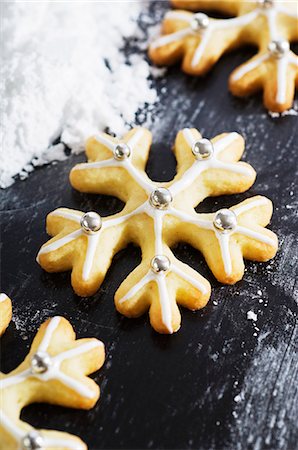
<point x="64" y="74"/>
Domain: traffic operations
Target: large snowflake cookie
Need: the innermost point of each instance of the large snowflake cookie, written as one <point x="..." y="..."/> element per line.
<point x="200" y="41"/>
<point x="5" y="312"/>
<point x="55" y="372"/>
<point x="155" y="217"/>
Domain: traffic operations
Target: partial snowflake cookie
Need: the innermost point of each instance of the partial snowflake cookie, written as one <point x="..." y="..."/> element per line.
<point x="199" y="41"/>
<point x="55" y="371"/>
<point x="156" y="216"/>
<point x="5" y="312"/>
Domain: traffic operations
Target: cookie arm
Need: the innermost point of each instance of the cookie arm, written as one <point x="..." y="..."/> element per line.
<point x="5" y="312"/>
<point x="144" y="289"/>
<point x="61" y="378"/>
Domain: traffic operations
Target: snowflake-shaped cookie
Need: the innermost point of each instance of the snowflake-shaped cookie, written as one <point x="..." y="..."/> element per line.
<point x="5" y="312"/>
<point x="55" y="372"/>
<point x="155" y="217"/>
<point x="200" y="41"/>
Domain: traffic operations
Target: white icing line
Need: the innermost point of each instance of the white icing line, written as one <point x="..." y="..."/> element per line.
<point x="225" y="142"/>
<point x="197" y="284"/>
<point x="236" y="168"/>
<point x="14" y="379"/>
<point x="15" y="431"/>
<point x="166" y="311"/>
<point x="224" y="240"/>
<point x="59" y="242"/>
<point x="248" y="67"/>
<point x="255" y="235"/>
<point x="118" y="220"/>
<point x="74" y="385"/>
<point x="271" y="18"/>
<point x="98" y="164"/>
<point x="189" y="137"/>
<point x="201" y="47"/>
<point x="52" y="326"/>
<point x="202" y="223"/>
<point x="3" y="297"/>
<point x="188" y="177"/>
<point x="170" y="38"/>
<point x="90" y="254"/>
<point x="135" y="289"/>
<point x="78" y="350"/>
<point x="135" y="138"/>
<point x="179" y="15"/>
<point x="66" y="215"/>
<point x="248" y="206"/>
<point x="138" y="177"/>
<point x="104" y="140"/>
<point x="158" y="217"/>
<point x="282" y="66"/>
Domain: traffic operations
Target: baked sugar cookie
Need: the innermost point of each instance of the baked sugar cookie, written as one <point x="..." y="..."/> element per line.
<point x="156" y="216"/>
<point x="199" y="41"/>
<point x="5" y="312"/>
<point x="55" y="371"/>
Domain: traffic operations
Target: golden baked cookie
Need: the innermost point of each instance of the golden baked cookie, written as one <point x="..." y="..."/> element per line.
<point x="156" y="216"/>
<point x="55" y="371"/>
<point x="199" y="41"/>
<point x="5" y="312"/>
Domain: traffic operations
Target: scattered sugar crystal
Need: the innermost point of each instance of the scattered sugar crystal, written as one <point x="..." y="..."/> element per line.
<point x="252" y="316"/>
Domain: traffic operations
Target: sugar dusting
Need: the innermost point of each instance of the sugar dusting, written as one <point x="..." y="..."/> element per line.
<point x="64" y="74"/>
<point x="261" y="420"/>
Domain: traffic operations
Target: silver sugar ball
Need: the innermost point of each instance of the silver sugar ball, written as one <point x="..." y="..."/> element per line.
<point x="122" y="151"/>
<point x="199" y="22"/>
<point x="266" y="3"/>
<point x="202" y="149"/>
<point x="160" y="198"/>
<point x="225" y="220"/>
<point x="160" y="263"/>
<point x="278" y="48"/>
<point x="32" y="441"/>
<point x="40" y="362"/>
<point x="91" y="222"/>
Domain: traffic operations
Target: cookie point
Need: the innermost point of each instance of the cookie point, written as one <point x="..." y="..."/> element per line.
<point x="32" y="441"/>
<point x="225" y="220"/>
<point x="160" y="263"/>
<point x="122" y="151"/>
<point x="202" y="149"/>
<point x="199" y="22"/>
<point x="160" y="198"/>
<point x="91" y="222"/>
<point x="40" y="363"/>
<point x="278" y="48"/>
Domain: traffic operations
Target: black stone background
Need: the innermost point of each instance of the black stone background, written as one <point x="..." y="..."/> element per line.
<point x="173" y="392"/>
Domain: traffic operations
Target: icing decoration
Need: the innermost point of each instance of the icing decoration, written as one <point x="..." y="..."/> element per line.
<point x="155" y="217"/>
<point x="5" y="312"/>
<point x="200" y="41"/>
<point x="55" y="370"/>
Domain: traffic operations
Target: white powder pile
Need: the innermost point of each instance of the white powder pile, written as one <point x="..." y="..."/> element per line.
<point x="64" y="73"/>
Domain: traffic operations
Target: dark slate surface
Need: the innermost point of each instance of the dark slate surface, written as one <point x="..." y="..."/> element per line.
<point x="220" y="382"/>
